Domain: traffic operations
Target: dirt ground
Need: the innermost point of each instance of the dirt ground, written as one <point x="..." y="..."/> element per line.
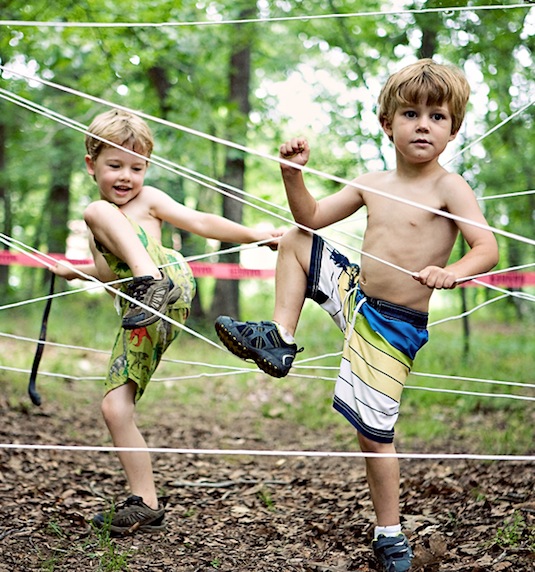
<point x="236" y="513"/>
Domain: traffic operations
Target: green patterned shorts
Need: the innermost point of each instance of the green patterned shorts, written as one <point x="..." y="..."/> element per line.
<point x="137" y="353"/>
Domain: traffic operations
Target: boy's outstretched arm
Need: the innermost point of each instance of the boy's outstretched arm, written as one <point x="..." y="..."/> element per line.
<point x="209" y="225"/>
<point x="69" y="272"/>
<point x="483" y="252"/>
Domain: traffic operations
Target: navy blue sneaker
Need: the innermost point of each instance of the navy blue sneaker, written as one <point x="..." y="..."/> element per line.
<point x="259" y="341"/>
<point x="393" y="552"/>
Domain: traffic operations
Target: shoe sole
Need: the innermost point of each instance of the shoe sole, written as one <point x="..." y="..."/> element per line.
<point x="173" y="296"/>
<point x="116" y="531"/>
<point x="119" y="531"/>
<point x="240" y="350"/>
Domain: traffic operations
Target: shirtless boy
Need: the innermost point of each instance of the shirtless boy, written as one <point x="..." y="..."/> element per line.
<point x="381" y="309"/>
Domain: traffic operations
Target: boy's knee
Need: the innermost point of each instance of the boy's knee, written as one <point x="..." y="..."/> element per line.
<point x="115" y="410"/>
<point x="369" y="446"/>
<point x="295" y="239"/>
<point x="107" y="409"/>
<point x="96" y="210"/>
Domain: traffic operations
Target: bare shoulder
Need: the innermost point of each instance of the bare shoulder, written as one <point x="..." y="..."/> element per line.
<point x="373" y="177"/>
<point x="148" y="205"/>
<point x="153" y="195"/>
<point x="371" y="180"/>
<point x="452" y="184"/>
<point x="154" y="200"/>
<point x="455" y="191"/>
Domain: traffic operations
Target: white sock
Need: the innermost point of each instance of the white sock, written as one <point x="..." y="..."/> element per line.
<point x="393" y="530"/>
<point x="285" y="334"/>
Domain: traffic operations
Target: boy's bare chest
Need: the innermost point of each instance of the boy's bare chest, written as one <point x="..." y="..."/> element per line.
<point x="404" y="214"/>
<point x="140" y="213"/>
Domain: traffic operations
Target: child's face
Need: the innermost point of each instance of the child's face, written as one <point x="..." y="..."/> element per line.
<point x="119" y="174"/>
<point x="420" y="132"/>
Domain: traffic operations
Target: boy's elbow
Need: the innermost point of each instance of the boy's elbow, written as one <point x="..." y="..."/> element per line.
<point x="496" y="259"/>
<point x="493" y="257"/>
<point x="308" y="220"/>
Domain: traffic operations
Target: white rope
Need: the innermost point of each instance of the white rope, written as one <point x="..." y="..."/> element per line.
<point x="51" y="261"/>
<point x="276" y="159"/>
<point x="260" y="20"/>
<point x="492" y="130"/>
<point x="508" y="293"/>
<point x="299" y="365"/>
<point x="106" y="286"/>
<point x="507" y="195"/>
<point x="68" y="377"/>
<point x="269" y="453"/>
<point x="473" y="379"/>
<point x="200" y="375"/>
<point x="472" y="393"/>
<point x="165" y="164"/>
<point x="514" y="294"/>
<point x="230" y="370"/>
<point x="292" y="453"/>
<point x="179" y="170"/>
<point x="468" y="312"/>
<point x="510" y="269"/>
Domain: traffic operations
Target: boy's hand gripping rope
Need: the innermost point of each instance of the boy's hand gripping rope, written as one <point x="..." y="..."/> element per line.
<point x="32" y="391"/>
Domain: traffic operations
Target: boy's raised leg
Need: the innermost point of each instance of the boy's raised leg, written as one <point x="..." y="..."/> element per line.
<point x="113" y="230"/>
<point x="270" y="344"/>
<point x="150" y="285"/>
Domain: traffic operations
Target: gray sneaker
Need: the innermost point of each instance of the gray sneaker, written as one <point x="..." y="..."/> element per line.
<point x="130" y="516"/>
<point x="259" y="341"/>
<point x="157" y="294"/>
<point x="393" y="552"/>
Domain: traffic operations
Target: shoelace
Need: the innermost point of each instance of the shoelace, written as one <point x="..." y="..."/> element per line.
<point x="137" y="290"/>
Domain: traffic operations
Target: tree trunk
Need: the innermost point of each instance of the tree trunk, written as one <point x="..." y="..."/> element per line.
<point x="56" y="213"/>
<point x="7" y="225"/>
<point x="226" y="295"/>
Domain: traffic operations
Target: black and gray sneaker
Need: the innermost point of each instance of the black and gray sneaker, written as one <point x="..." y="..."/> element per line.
<point x="259" y="341"/>
<point x="130" y="516"/>
<point x="157" y="294"/>
<point x="393" y="552"/>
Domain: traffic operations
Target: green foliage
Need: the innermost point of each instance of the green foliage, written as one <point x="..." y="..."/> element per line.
<point x="516" y="533"/>
<point x="100" y="549"/>
<point x="180" y="73"/>
<point x="266" y="499"/>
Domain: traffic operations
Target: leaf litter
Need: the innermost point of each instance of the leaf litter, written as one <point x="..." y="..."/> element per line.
<point x="247" y="513"/>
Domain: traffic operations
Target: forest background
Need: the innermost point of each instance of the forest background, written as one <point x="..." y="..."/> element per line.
<point x="254" y="73"/>
<point x="222" y="85"/>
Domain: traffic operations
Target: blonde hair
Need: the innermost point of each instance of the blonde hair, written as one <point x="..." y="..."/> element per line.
<point x="122" y="128"/>
<point x="427" y="82"/>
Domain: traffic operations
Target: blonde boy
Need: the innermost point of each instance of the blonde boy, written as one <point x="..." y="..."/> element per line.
<point x="125" y="227"/>
<point x="382" y="310"/>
